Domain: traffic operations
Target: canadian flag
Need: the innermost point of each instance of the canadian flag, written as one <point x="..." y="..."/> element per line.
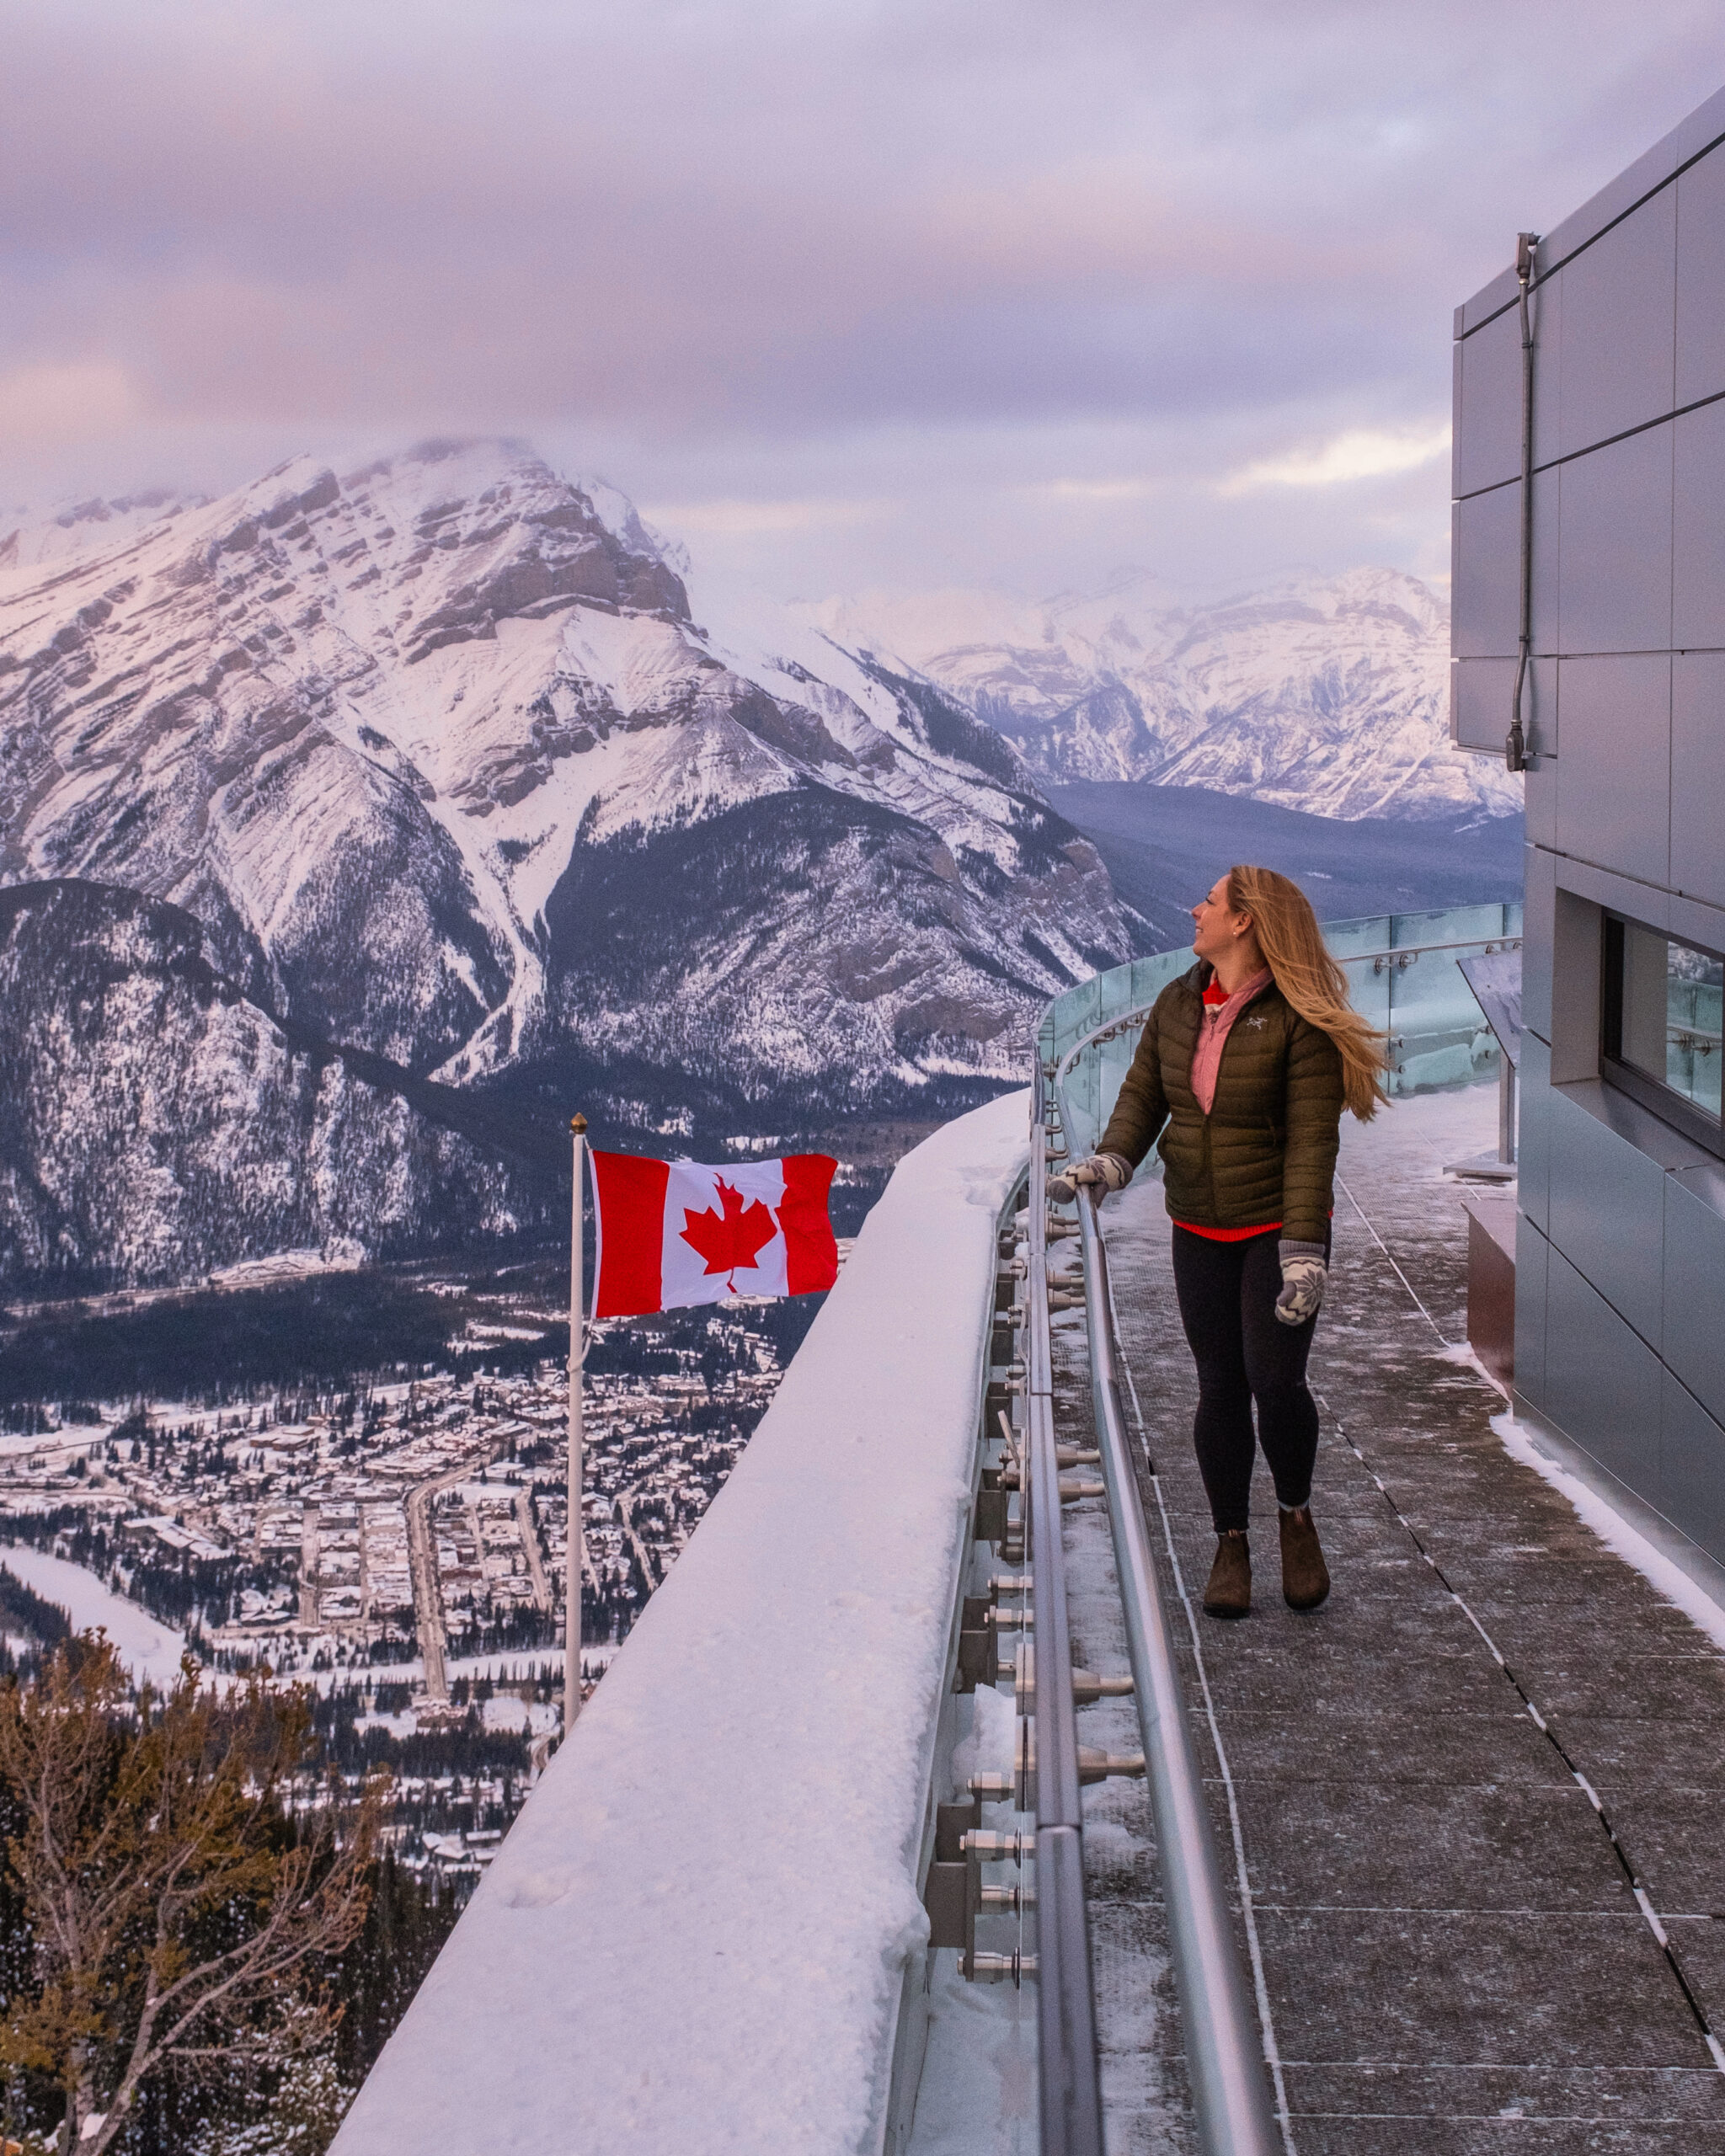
<point x="672" y="1233"/>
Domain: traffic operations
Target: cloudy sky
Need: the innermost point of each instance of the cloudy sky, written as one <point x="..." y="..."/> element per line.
<point x="847" y="293"/>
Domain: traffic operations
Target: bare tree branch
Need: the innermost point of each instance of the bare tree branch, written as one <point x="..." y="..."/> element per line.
<point x="177" y="1915"/>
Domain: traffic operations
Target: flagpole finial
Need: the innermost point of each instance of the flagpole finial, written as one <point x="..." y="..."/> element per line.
<point x="578" y="1123"/>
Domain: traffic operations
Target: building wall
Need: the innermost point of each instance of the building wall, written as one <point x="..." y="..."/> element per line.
<point x="1620" y="1246"/>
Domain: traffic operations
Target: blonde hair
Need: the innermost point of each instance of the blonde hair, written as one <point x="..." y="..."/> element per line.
<point x="1309" y="978"/>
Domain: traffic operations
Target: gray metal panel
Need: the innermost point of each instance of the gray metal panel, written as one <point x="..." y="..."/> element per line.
<point x="1698" y="528"/>
<point x="1534" y="1191"/>
<point x="1700" y="280"/>
<point x="1692" y="1469"/>
<point x="1576" y="946"/>
<point x="1488" y="406"/>
<point x="1455" y="419"/>
<point x="1454" y="559"/>
<point x="1615" y="574"/>
<point x="1539" y="895"/>
<point x="1619" y="313"/>
<point x="1547" y="558"/>
<point x="1538" y="792"/>
<point x="1691" y="921"/>
<point x="1614" y="803"/>
<point x="1702" y="1174"/>
<point x="1532" y="1254"/>
<point x="1608" y="1214"/>
<point x="1545" y="308"/>
<point x="1694" y="1344"/>
<point x="1650" y="1134"/>
<point x="1480" y="694"/>
<point x="1538" y="707"/>
<point x="1698" y="776"/>
<point x="1605" y="887"/>
<point x="1706" y="124"/>
<point x="1487" y="568"/>
<point x="1602" y="1384"/>
<point x="1488" y="300"/>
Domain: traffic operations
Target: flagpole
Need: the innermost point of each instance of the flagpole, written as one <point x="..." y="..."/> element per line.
<point x="576" y="1537"/>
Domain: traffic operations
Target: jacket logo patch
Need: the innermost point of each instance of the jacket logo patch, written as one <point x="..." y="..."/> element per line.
<point x="1255" y="1022"/>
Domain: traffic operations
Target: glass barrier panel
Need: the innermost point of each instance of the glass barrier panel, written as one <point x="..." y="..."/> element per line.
<point x="1369" y="991"/>
<point x="1345" y="937"/>
<point x="1424" y="1063"/>
<point x="1438" y="1032"/>
<point x="1428" y="992"/>
<point x="1450" y="925"/>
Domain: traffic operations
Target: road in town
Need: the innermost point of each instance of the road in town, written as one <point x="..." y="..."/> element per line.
<point x="530" y="1543"/>
<point x="422" y="1561"/>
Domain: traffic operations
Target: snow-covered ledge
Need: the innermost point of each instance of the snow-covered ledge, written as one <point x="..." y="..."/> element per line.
<point x="697" y="1934"/>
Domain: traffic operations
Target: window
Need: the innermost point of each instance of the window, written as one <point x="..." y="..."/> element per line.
<point x="1661" y="1012"/>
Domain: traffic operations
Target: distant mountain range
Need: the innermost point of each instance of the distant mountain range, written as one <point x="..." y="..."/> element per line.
<point x="1324" y="694"/>
<point x="438" y="764"/>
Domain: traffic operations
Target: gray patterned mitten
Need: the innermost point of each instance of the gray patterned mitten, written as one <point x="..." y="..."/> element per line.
<point x="1304" y="1273"/>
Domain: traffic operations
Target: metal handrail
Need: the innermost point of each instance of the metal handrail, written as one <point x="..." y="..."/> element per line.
<point x="1225" y="2051"/>
<point x="1078" y="1008"/>
<point x="1126" y="1019"/>
<point x="1124" y="1022"/>
<point x="1420" y="950"/>
<point x="1068" y="2073"/>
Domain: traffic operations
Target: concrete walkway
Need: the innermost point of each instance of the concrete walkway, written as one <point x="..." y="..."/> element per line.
<point x="1448" y="1785"/>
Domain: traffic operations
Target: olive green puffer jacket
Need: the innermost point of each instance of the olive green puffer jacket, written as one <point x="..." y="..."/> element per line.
<point x="1267" y="1151"/>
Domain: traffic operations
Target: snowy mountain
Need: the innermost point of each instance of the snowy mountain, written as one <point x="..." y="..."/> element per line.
<point x="437" y="759"/>
<point x="155" y="1125"/>
<point x="28" y="541"/>
<point x="1328" y="695"/>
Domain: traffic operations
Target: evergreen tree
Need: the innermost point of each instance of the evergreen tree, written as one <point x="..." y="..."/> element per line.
<point x="407" y="1920"/>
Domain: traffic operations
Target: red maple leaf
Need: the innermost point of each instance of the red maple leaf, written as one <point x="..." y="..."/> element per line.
<point x="732" y="1238"/>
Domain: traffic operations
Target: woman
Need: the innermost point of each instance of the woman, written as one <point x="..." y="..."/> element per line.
<point x="1245" y="1066"/>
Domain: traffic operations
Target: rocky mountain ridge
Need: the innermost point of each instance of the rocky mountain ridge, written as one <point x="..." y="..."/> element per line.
<point x="1324" y="694"/>
<point x="155" y="1125"/>
<point x="439" y="761"/>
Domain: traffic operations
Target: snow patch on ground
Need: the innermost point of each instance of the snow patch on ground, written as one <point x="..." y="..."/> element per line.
<point x="343" y="1255"/>
<point x="1463" y="1355"/>
<point x="1662" y="1573"/>
<point x="150" y="1649"/>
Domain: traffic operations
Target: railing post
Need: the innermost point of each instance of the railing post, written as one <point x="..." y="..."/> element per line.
<point x="1069" y="2085"/>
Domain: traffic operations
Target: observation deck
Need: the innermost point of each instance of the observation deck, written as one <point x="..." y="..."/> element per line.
<point x="908" y="1821"/>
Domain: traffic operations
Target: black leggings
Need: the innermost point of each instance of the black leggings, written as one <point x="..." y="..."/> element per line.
<point x="1244" y="1353"/>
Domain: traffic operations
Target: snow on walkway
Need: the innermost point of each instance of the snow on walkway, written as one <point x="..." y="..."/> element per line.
<point x="697" y="1934"/>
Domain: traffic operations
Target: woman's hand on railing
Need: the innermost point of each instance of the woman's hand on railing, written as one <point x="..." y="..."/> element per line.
<point x="1106" y="1170"/>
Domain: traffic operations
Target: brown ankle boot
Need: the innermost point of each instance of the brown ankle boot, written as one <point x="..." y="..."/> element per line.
<point x="1305" y="1577"/>
<point x="1228" y="1591"/>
